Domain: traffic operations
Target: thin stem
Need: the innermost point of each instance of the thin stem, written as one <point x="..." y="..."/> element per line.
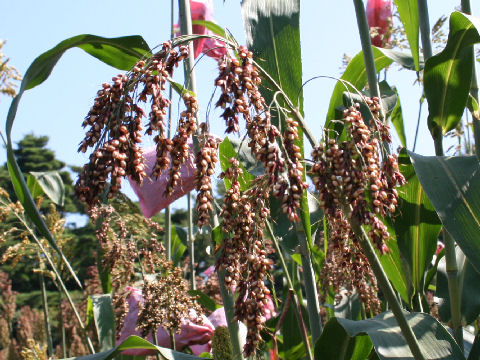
<point x="155" y="342"/>
<point x="233" y="328"/>
<point x="453" y="288"/>
<point x="418" y="125"/>
<point x="313" y="305"/>
<point x="191" y="245"/>
<point x="473" y="87"/>
<point x="62" y="285"/>
<point x="364" y="31"/>
<point x="297" y="309"/>
<point x="48" y="328"/>
<point x="61" y="324"/>
<point x="384" y="283"/>
<point x="172" y="339"/>
<point x="168" y="215"/>
<point x="425" y="29"/>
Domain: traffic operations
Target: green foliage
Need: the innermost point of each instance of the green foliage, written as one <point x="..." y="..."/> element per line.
<point x="104" y="320"/>
<point x="351" y="337"/>
<point x="408" y="10"/>
<point x="453" y="186"/>
<point x="448" y="75"/>
<point x="221" y="345"/>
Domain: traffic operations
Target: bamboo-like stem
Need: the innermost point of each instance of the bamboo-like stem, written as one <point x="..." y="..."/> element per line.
<point x="232" y="323"/>
<point x="364" y="32"/>
<point x="297" y="309"/>
<point x="450" y="258"/>
<point x="384" y="284"/>
<point x="191" y="245"/>
<point x="168" y="215"/>
<point x="186" y="28"/>
<point x="172" y="339"/>
<point x="453" y="288"/>
<point x="424" y="23"/>
<point x="313" y="306"/>
<point x="61" y="323"/>
<point x="473" y="87"/>
<point x="48" y="328"/>
<point x="155" y="342"/>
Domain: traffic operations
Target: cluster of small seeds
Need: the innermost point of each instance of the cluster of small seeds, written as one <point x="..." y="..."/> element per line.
<point x="291" y="193"/>
<point x="115" y="127"/>
<point x="357" y="174"/>
<point x="244" y="256"/>
<point x="180" y="148"/>
<point x="206" y="160"/>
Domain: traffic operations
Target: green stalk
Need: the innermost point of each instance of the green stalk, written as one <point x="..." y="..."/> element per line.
<point x="228" y="302"/>
<point x="474" y="87"/>
<point x="367" y="48"/>
<point x="48" y="328"/>
<point x="168" y="215"/>
<point x="313" y="306"/>
<point x="453" y="288"/>
<point x="384" y="284"/>
<point x="232" y="323"/>
<point x="61" y="323"/>
<point x="450" y="258"/>
<point x="191" y="240"/>
<point x="186" y="28"/>
<point x="297" y="308"/>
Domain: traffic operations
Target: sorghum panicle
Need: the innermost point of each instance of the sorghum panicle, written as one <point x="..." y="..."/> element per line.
<point x="206" y="160"/>
<point x="356" y="173"/>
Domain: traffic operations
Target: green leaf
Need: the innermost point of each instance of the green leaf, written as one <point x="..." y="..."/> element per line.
<point x="227" y="152"/>
<point x="336" y="344"/>
<point x="468" y="280"/>
<point x="34" y="187"/>
<point x="179" y="88"/>
<point x="387" y="339"/>
<point x="355" y="77"/>
<point x="475" y="352"/>
<point x="210" y="25"/>
<point x="119" y="52"/>
<point x="417" y="227"/>
<point x="408" y="11"/>
<point x="472" y="106"/>
<point x="204" y="300"/>
<point x="448" y="75"/>
<point x="453" y="186"/>
<point x="397" y="121"/>
<point x="135" y="342"/>
<point x="51" y="184"/>
<point x="104" y="320"/>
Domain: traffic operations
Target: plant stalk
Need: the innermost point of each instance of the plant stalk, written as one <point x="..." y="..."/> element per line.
<point x="313" y="305"/>
<point x="473" y="87"/>
<point x="384" y="283"/>
<point x="191" y="245"/>
<point x="450" y="258"/>
<point x="232" y="323"/>
<point x="453" y="288"/>
<point x="297" y="309"/>
<point x="61" y="324"/>
<point x="364" y="31"/>
<point x="48" y="328"/>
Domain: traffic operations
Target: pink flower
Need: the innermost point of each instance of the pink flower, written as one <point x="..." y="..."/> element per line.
<point x="151" y="192"/>
<point x="190" y="335"/>
<point x="379" y="16"/>
<point x="203" y="10"/>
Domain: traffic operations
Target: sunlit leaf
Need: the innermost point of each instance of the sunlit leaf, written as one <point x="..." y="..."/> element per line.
<point x="387" y="339"/>
<point x="104" y="320"/>
<point x="408" y="11"/>
<point x="448" y="75"/>
<point x="51" y="184"/>
<point x="453" y="186"/>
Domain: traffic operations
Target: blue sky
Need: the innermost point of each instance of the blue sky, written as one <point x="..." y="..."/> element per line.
<point x="57" y="107"/>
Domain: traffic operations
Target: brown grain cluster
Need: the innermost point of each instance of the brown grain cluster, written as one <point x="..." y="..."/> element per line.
<point x="115" y="128"/>
<point x="244" y="257"/>
<point x="358" y="174"/>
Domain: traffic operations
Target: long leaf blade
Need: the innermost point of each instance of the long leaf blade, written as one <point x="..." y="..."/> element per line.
<point x="118" y="52"/>
<point x="408" y="11"/>
<point x="453" y="186"/>
<point x="448" y="75"/>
